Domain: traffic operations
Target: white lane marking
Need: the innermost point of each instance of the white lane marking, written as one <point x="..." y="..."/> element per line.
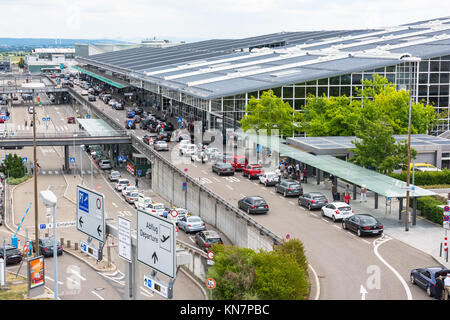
<point x="326" y="220"/>
<point x="216" y="179"/>
<point x="290" y="202"/>
<point x="316" y="277"/>
<point x="115" y="205"/>
<point x="99" y="296"/>
<point x="190" y="238"/>
<point x="337" y="227"/>
<point x="146" y="292"/>
<point x="59" y="282"/>
<point x="402" y="281"/>
<point x="76" y="273"/>
<point x="242" y="195"/>
<point x="204" y="172"/>
<point x="229" y="187"/>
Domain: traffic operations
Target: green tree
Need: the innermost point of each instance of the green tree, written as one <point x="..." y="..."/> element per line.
<point x="21" y="63"/>
<point x="378" y="149"/>
<point x="13" y="166"/>
<point x="270" y="112"/>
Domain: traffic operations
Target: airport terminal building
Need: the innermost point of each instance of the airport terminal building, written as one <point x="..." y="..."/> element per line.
<point x="213" y="80"/>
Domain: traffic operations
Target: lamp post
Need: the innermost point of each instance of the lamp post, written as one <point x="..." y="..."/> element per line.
<point x="33" y="86"/>
<point x="49" y="199"/>
<point x="410" y="60"/>
<point x="81" y="165"/>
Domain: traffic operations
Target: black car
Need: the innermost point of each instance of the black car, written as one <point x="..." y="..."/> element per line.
<point x="312" y="200"/>
<point x="146" y="138"/>
<point x="426" y="278"/>
<point x="289" y="187"/>
<point x="139" y="110"/>
<point x="168" y="127"/>
<point x="46" y="247"/>
<point x="165" y="136"/>
<point x="363" y="224"/>
<point x="13" y="255"/>
<point x="205" y="239"/>
<point x="222" y="168"/>
<point x="145" y="122"/>
<point x="253" y="204"/>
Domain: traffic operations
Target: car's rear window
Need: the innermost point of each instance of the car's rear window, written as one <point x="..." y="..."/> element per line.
<point x="194" y="219"/>
<point x="294" y="185"/>
<point x="272" y="176"/>
<point x="259" y="202"/>
<point x="368" y="220"/>
<point x="159" y="206"/>
<point x="124" y="181"/>
<point x="345" y="208"/>
<point x="133" y="194"/>
<point x="319" y="198"/>
<point x="213" y="240"/>
<point x="240" y="160"/>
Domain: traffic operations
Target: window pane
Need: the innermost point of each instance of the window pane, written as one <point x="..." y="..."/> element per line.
<point x="322" y="91"/>
<point x="391" y="69"/>
<point x="434" y="90"/>
<point x="444" y="77"/>
<point x="423" y="66"/>
<point x="345" y="79"/>
<point x="422" y="90"/>
<point x="345" y="91"/>
<point x="434" y="77"/>
<point x="312" y="83"/>
<point x="334" y="80"/>
<point x="443" y="102"/>
<point x="334" y="91"/>
<point x="323" y="82"/>
<point x="254" y="94"/>
<point x="391" y="78"/>
<point x="434" y="66"/>
<point x="443" y="90"/>
<point x="299" y="92"/>
<point x="287" y="92"/>
<point x="277" y="91"/>
<point x="356" y="78"/>
<point x="445" y="65"/>
<point x="423" y="77"/>
<point x="310" y="91"/>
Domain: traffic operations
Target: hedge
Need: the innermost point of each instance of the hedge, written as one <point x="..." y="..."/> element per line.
<point x="16" y="181"/>
<point x="426" y="178"/>
<point x="429" y="209"/>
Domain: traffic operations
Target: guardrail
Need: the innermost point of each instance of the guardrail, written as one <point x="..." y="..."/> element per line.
<point x="151" y="154"/>
<point x="23" y="134"/>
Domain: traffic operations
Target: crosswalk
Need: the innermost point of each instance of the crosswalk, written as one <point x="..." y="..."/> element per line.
<point x="42" y="127"/>
<point x="57" y="172"/>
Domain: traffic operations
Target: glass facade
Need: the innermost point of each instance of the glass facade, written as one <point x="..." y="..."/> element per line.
<point x="430" y="84"/>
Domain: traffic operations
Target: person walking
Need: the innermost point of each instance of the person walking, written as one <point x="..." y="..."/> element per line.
<point x="333" y="191"/>
<point x="347" y="198"/>
<point x="136" y="182"/>
<point x="439" y="289"/>
<point x="363" y="193"/>
<point x="447" y="286"/>
<point x="347" y="189"/>
<point x="305" y="175"/>
<point x="297" y="170"/>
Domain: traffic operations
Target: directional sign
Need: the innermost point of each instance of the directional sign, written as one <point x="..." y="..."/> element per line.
<point x="124" y="247"/>
<point x="90" y="213"/>
<point x="130" y="123"/>
<point x="24" y="159"/>
<point x="72" y="159"/>
<point x="156" y="243"/>
<point x="3" y="117"/>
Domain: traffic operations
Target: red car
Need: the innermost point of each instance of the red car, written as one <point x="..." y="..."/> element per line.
<point x="70" y="119"/>
<point x="239" y="162"/>
<point x="252" y="171"/>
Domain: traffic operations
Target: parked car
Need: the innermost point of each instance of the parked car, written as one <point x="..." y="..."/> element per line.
<point x="129" y="189"/>
<point x="46" y="247"/>
<point x="188" y="149"/>
<point x="191" y="224"/>
<point x="183" y="136"/>
<point x="289" y="187"/>
<point x="426" y="278"/>
<point x="111" y="102"/>
<point x="160" y="146"/>
<point x="252" y="171"/>
<point x="118" y="106"/>
<point x="114" y="176"/>
<point x="142" y="202"/>
<point x="91" y="97"/>
<point x="222" y="168"/>
<point x="70" y="119"/>
<point x="239" y="162"/>
<point x="312" y="200"/>
<point x="213" y="153"/>
<point x="131" y="114"/>
<point x="121" y="183"/>
<point x="13" y="255"/>
<point x="138" y="110"/>
<point x="165" y="136"/>
<point x="84" y="92"/>
<point x="131" y="197"/>
<point x="205" y="239"/>
<point x="105" y="164"/>
<point x="337" y="211"/>
<point x="363" y="224"/>
<point x="181" y="213"/>
<point x="269" y="179"/>
<point x="253" y="204"/>
<point x="199" y="157"/>
<point x="149" y="139"/>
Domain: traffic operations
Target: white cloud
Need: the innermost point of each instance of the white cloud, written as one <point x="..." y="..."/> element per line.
<point x="204" y="18"/>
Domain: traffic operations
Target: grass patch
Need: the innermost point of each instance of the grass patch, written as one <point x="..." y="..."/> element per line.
<point x="16" y="181"/>
<point x="436" y="186"/>
<point x="17" y="288"/>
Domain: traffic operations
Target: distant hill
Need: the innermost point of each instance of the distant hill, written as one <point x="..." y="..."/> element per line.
<point x="31" y="43"/>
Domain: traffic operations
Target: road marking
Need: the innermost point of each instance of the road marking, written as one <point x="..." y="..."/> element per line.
<point x="115" y="205"/>
<point x="204" y="172"/>
<point x="316" y="277"/>
<point x="337" y="227"/>
<point x="272" y="192"/>
<point x="402" y="281"/>
<point x="292" y="203"/>
<point x="99" y="296"/>
<point x="216" y="179"/>
<point x="326" y="220"/>
<point x="190" y="238"/>
<point x="229" y="187"/>
<point x="146" y="292"/>
<point x="59" y="282"/>
<point x="242" y="195"/>
<point x="76" y="273"/>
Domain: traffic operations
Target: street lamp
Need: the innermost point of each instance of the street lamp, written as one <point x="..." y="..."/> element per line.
<point x="81" y="164"/>
<point x="49" y="199"/>
<point x="33" y="86"/>
<point x="410" y="60"/>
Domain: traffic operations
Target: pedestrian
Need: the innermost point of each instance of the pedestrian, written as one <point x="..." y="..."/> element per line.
<point x="165" y="213"/>
<point x="333" y="191"/>
<point x="439" y="289"/>
<point x="26" y="123"/>
<point x="347" y="189"/>
<point x="347" y="198"/>
<point x="32" y="167"/>
<point x="305" y="175"/>
<point x="447" y="286"/>
<point x="136" y="182"/>
<point x="363" y="193"/>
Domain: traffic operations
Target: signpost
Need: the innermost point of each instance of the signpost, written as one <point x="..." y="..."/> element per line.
<point x="90" y="213"/>
<point x="124" y="230"/>
<point x="156" y="286"/>
<point x="156" y="243"/>
<point x="210" y="284"/>
<point x="90" y="250"/>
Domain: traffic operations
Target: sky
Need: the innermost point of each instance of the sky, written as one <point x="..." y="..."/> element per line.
<point x="193" y="20"/>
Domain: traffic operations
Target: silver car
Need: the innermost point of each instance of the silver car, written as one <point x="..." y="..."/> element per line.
<point x="161" y="146"/>
<point x="191" y="224"/>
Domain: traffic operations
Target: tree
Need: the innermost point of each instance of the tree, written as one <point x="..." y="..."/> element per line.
<point x="13" y="166"/>
<point x="21" y="63"/>
<point x="378" y="149"/>
<point x="270" y="112"/>
<point x="337" y="116"/>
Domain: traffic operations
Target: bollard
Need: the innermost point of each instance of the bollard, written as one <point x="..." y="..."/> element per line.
<point x="61" y="241"/>
<point x="440" y="251"/>
<point x="46" y="235"/>
<point x="68" y="244"/>
<point x="76" y="246"/>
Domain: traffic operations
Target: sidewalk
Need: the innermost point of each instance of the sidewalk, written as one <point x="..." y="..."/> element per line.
<point x="425" y="235"/>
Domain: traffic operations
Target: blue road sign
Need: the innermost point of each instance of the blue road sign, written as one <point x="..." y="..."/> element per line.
<point x="24" y="159"/>
<point x="184" y="187"/>
<point x="130" y="123"/>
<point x="88" y="116"/>
<point x="7" y="118"/>
<point x="42" y="226"/>
<point x="3" y="117"/>
<point x="179" y="120"/>
<point x="446" y="208"/>
<point x="44" y="119"/>
<point x="48" y="119"/>
<point x="139" y="173"/>
<point x="83" y="201"/>
<point x="72" y="159"/>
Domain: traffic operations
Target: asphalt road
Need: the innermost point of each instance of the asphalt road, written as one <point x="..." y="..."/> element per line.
<point x="346" y="265"/>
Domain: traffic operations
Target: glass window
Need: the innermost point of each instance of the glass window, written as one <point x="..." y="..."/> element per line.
<point x="299" y="104"/>
<point x="423" y="90"/>
<point x="310" y="91"/>
<point x="443" y="77"/>
<point x="334" y="91"/>
<point x="322" y="91"/>
<point x="356" y="78"/>
<point x="433" y="101"/>
<point x="423" y="66"/>
<point x="443" y="90"/>
<point x="277" y="91"/>
<point x="254" y="94"/>
<point x="445" y="65"/>
<point x="379" y="70"/>
<point x="345" y="79"/>
<point x="367" y="76"/>
<point x="434" y="77"/>
<point x="392" y="69"/>
<point x="312" y="83"/>
<point x="300" y="92"/>
<point x="345" y="91"/>
<point x="423" y="77"/>
<point x="390" y="78"/>
<point x="334" y="81"/>
<point x="288" y="92"/>
<point x="443" y="102"/>
<point x="434" y="90"/>
<point x="323" y="82"/>
<point x="434" y="66"/>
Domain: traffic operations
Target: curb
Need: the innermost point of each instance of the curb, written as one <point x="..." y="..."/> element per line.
<point x="196" y="281"/>
<point x="113" y="268"/>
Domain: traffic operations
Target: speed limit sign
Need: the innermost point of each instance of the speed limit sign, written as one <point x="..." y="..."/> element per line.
<point x="210" y="283"/>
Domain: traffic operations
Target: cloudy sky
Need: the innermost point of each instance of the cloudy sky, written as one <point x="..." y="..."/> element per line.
<point x="203" y="19"/>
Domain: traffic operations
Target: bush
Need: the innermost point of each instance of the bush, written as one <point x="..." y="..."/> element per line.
<point x="13" y="166"/>
<point x="429" y="209"/>
<point x="426" y="178"/>
<point x="243" y="274"/>
<point x="16" y="181"/>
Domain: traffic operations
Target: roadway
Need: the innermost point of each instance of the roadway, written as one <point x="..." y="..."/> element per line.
<point x="342" y="261"/>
